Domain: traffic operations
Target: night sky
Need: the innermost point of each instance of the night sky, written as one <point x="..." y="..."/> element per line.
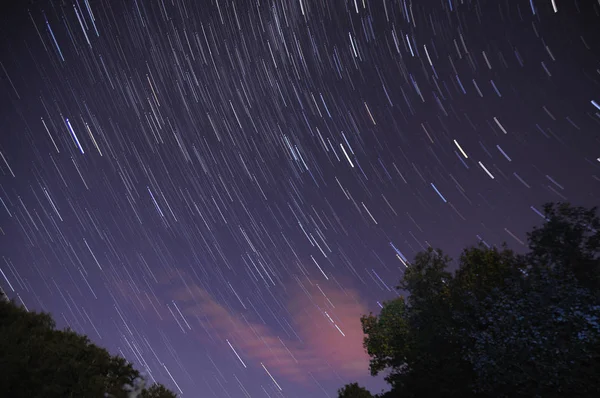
<point x="218" y="189"/>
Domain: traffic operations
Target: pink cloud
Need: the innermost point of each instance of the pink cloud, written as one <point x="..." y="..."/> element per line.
<point x="325" y="316"/>
<point x="328" y="320"/>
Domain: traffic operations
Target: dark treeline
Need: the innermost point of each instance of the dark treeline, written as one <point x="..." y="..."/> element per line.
<point x="503" y="325"/>
<point x="39" y="361"/>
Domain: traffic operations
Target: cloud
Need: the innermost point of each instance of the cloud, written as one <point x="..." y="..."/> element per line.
<point x="325" y="319"/>
<point x="328" y="320"/>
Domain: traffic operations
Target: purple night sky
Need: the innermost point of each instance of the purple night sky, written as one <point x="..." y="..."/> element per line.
<point x="218" y="190"/>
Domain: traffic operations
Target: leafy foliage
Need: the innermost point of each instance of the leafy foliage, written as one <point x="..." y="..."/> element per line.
<point x="36" y="360"/>
<point x="569" y="243"/>
<point x="353" y="390"/>
<point x="504" y="324"/>
<point x="539" y="339"/>
<point x="157" y="391"/>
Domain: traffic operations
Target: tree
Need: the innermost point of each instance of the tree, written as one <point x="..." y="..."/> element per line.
<point x="353" y="390"/>
<point x="540" y="334"/>
<point x="157" y="391"/>
<point x="36" y="360"/>
<point x="539" y="339"/>
<point x="388" y="340"/>
<point x="569" y="243"/>
<point x="504" y="324"/>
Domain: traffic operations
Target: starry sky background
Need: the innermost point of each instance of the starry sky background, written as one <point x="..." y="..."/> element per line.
<point x="218" y="190"/>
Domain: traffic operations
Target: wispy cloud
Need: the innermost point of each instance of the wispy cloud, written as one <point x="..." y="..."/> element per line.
<point x="324" y="329"/>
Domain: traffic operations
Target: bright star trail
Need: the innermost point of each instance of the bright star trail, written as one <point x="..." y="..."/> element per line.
<point x="218" y="190"/>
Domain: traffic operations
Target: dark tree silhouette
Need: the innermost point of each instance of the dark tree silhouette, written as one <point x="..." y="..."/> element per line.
<point x="36" y="360"/>
<point x="504" y="324"/>
<point x="353" y="390"/>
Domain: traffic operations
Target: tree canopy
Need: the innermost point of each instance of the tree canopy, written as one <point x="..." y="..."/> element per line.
<point x="37" y="360"/>
<point x="353" y="390"/>
<point x="503" y="325"/>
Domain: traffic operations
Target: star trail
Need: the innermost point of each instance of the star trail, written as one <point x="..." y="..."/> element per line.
<point x="218" y="189"/>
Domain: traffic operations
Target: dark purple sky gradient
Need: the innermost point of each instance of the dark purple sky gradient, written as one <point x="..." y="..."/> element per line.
<point x="219" y="189"/>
